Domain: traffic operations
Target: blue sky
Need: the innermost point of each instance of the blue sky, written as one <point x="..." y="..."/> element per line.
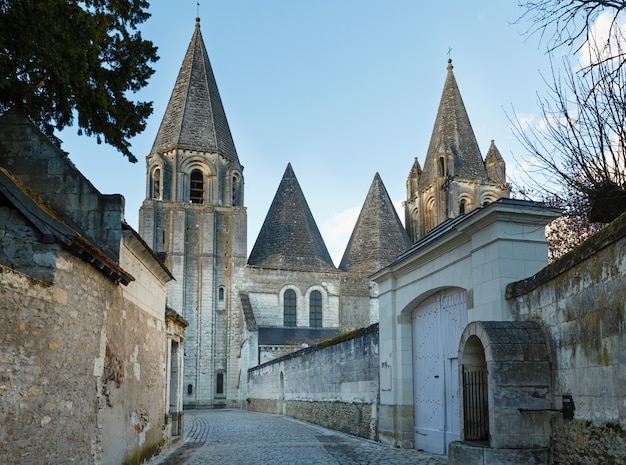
<point x="341" y="89"/>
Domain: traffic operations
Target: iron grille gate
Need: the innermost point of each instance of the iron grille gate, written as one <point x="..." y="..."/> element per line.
<point x="475" y="407"/>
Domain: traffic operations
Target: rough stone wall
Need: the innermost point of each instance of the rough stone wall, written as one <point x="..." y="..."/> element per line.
<point x="59" y="183"/>
<point x="21" y="247"/>
<point x="580" y="300"/>
<point x="333" y="384"/>
<point x="81" y="370"/>
<point x="355" y="302"/>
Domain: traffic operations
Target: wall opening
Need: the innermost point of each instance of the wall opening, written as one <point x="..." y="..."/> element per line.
<point x="475" y="392"/>
<point x="196" y="191"/>
<point x="219" y="383"/>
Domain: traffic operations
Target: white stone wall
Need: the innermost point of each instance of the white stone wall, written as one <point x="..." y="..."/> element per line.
<point x="481" y="254"/>
<point x="266" y="286"/>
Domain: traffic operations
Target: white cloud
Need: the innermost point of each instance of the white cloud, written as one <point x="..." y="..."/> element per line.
<point x="605" y="35"/>
<point x="336" y="232"/>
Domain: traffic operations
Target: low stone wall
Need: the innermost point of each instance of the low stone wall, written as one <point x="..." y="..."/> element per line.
<point x="333" y="384"/>
<point x="579" y="299"/>
<point x="580" y="442"/>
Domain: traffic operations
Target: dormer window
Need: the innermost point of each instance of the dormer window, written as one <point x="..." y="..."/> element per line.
<point x="196" y="192"/>
<point x="441" y="167"/>
<point x="462" y="206"/>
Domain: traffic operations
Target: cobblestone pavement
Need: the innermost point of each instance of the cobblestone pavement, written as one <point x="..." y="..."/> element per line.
<point x="237" y="437"/>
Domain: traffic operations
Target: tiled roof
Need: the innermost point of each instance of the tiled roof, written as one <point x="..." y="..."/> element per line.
<point x="378" y="236"/>
<point x="289" y="237"/>
<point x="195" y="118"/>
<point x="453" y="134"/>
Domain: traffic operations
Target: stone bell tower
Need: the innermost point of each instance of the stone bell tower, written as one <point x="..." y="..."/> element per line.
<point x="193" y="217"/>
<point x="455" y="179"/>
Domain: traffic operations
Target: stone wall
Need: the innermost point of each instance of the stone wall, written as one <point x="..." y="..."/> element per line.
<point x="81" y="366"/>
<point x="333" y="384"/>
<point x="56" y="179"/>
<point x="580" y="301"/>
<point x="79" y="378"/>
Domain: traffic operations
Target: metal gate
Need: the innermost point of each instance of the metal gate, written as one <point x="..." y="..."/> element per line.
<point x="437" y="327"/>
<point x="475" y="406"/>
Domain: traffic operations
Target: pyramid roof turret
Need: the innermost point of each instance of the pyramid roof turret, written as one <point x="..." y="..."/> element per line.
<point x="453" y="135"/>
<point x="289" y="237"/>
<point x="195" y="118"/>
<point x="378" y="236"/>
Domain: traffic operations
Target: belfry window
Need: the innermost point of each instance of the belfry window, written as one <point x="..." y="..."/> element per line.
<point x="289" y="308"/>
<point x="196" y="191"/>
<point x="156" y="183"/>
<point x="315" y="309"/>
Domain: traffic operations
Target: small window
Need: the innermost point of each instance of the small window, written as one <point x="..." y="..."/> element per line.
<point x="289" y="308"/>
<point x="156" y="184"/>
<point x="220" y="294"/>
<point x="315" y="309"/>
<point x="189" y="389"/>
<point x="196" y="193"/>
<point x="236" y="191"/>
<point x="462" y="206"/>
<point x="441" y="167"/>
<point x="219" y="385"/>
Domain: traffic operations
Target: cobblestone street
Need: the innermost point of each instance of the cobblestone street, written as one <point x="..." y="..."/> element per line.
<point x="237" y="437"/>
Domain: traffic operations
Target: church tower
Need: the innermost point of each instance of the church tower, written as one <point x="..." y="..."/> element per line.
<point x="454" y="179"/>
<point x="193" y="217"/>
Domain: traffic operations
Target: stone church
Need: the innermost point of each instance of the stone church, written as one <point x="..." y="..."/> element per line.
<point x="243" y="311"/>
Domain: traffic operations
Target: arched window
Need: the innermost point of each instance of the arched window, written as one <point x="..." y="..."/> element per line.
<point x="289" y="308"/>
<point x="220" y="294"/>
<point x="196" y="191"/>
<point x="236" y="191"/>
<point x="315" y="309"/>
<point x="219" y="383"/>
<point x="189" y="389"/>
<point x="462" y="206"/>
<point x="156" y="183"/>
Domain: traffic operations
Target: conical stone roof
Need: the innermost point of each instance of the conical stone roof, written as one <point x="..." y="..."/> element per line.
<point x="289" y="237"/>
<point x="195" y="118"/>
<point x="453" y="134"/>
<point x="378" y="236"/>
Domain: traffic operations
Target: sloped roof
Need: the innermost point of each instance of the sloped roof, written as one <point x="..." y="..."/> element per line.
<point x="289" y="237"/>
<point x="195" y="118"/>
<point x="453" y="134"/>
<point x="280" y="336"/>
<point x="378" y="236"/>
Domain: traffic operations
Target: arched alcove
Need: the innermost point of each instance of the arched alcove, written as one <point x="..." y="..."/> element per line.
<point x="514" y="393"/>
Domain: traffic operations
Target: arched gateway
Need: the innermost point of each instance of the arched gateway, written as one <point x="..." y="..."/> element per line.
<point x="437" y="323"/>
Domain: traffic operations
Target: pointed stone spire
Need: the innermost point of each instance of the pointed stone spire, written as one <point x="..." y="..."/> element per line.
<point x="378" y="236"/>
<point x="289" y="237"/>
<point x="496" y="167"/>
<point x="412" y="183"/>
<point x="195" y="118"/>
<point x="452" y="139"/>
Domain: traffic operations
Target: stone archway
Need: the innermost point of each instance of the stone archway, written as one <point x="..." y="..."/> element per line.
<point x="518" y="399"/>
